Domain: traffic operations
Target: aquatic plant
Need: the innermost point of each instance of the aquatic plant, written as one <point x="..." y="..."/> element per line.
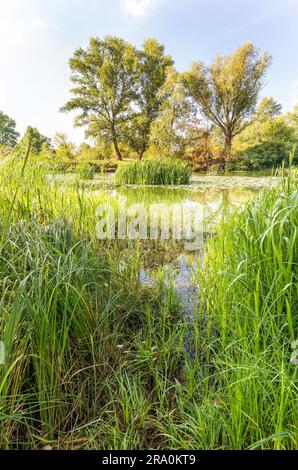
<point x="85" y="171"/>
<point x="154" y="172"/>
<point x="95" y="360"/>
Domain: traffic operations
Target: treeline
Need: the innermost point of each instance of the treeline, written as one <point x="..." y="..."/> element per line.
<point x="133" y="101"/>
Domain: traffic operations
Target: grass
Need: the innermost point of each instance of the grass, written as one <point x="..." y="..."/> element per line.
<point x="96" y="361"/>
<point x="84" y="171"/>
<point x="154" y="172"/>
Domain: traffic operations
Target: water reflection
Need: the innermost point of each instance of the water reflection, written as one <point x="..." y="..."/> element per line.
<point x="208" y="200"/>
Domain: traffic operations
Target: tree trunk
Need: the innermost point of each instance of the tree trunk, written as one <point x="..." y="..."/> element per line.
<point x="143" y="149"/>
<point x="228" y="146"/>
<point x="227" y="152"/>
<point x="117" y="150"/>
<point x="141" y="153"/>
<point x="221" y="167"/>
<point x="115" y="141"/>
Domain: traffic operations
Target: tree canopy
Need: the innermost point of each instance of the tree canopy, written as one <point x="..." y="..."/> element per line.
<point x="133" y="100"/>
<point x="151" y="75"/>
<point x="8" y="134"/>
<point x="35" y="138"/>
<point x="227" y="91"/>
<point x="116" y="90"/>
<point x="173" y="128"/>
<point x="104" y="76"/>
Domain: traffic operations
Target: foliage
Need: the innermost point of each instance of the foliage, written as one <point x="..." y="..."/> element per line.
<point x="174" y="127"/>
<point x="266" y="143"/>
<point x="265" y="155"/>
<point x="100" y="151"/>
<point x="227" y="91"/>
<point x="151" y="73"/>
<point x="292" y="119"/>
<point x="35" y="139"/>
<point x="268" y="126"/>
<point x="136" y="101"/>
<point x="96" y="361"/>
<point x="103" y="76"/>
<point x="5" y="151"/>
<point x="8" y="134"/>
<point x="165" y="171"/>
<point x="85" y="171"/>
<point x="268" y="109"/>
<point x="65" y="149"/>
<point x="206" y="149"/>
<point x="50" y="159"/>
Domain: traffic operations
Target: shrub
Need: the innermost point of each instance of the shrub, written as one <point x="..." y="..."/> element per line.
<point x="265" y="155"/>
<point x="85" y="171"/>
<point x="155" y="172"/>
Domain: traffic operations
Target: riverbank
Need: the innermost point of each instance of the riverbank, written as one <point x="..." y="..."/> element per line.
<point x="95" y="359"/>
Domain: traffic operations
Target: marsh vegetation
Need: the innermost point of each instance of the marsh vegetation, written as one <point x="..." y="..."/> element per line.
<point x="97" y="359"/>
<point x="130" y="342"/>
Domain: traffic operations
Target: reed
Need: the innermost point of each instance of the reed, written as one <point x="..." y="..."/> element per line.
<point x="161" y="172"/>
<point x="96" y="361"/>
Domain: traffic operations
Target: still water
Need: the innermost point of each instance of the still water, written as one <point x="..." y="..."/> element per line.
<point x="211" y="196"/>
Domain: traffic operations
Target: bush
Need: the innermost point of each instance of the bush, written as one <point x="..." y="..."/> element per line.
<point x="265" y="155"/>
<point x="85" y="171"/>
<point x="155" y="172"/>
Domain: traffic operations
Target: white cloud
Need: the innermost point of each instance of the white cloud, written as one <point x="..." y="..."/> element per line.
<point x="140" y="8"/>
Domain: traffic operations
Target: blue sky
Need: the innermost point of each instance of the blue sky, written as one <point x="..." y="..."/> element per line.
<point x="37" y="37"/>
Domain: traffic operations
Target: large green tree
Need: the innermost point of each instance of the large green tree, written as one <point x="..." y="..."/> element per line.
<point x="268" y="109"/>
<point x="66" y="150"/>
<point x="36" y="140"/>
<point x="173" y="128"/>
<point x="292" y="120"/>
<point x="8" y="134"/>
<point x="268" y="126"/>
<point x="152" y="67"/>
<point x="104" y="80"/>
<point x="227" y="91"/>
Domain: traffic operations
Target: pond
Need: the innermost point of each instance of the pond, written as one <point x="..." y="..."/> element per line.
<point x="170" y="263"/>
<point x="211" y="196"/>
<point x="208" y="195"/>
<point x="255" y="180"/>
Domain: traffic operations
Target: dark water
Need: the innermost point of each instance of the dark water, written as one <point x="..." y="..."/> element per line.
<point x="213" y="196"/>
<point x="180" y="277"/>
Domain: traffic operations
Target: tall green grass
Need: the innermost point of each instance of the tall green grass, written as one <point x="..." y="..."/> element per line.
<point x="154" y="172"/>
<point x="85" y="171"/>
<point x="96" y="361"/>
<point x="246" y="394"/>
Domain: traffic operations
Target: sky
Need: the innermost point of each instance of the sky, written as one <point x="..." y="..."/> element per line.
<point x="37" y="38"/>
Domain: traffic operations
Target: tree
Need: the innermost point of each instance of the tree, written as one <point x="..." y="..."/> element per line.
<point x="268" y="108"/>
<point x="8" y="134"/>
<point x="268" y="126"/>
<point x="35" y="138"/>
<point x="151" y="75"/>
<point x="292" y="120"/>
<point x="104" y="79"/>
<point x="65" y="149"/>
<point x="174" y="126"/>
<point x="100" y="151"/>
<point x="227" y="91"/>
